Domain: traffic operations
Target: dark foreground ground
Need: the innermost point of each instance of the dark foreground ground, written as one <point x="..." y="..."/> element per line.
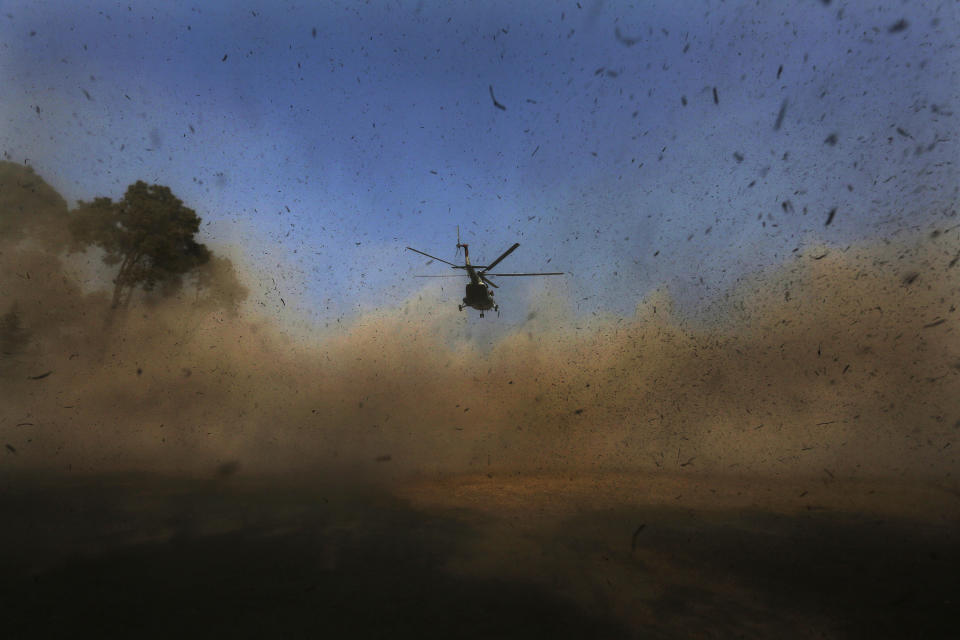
<point x="141" y="557"/>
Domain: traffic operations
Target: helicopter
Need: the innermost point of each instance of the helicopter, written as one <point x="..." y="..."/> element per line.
<point x="479" y="294"/>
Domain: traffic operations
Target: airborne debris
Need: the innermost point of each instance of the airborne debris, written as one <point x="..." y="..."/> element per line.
<point x="40" y="377"/>
<point x="716" y="97"/>
<point x="780" y="115"/>
<point x="11" y="449"/>
<point x="831" y="140"/>
<point x="898" y="26"/>
<point x="383" y="458"/>
<point x="830" y="215"/>
<point x="495" y="103"/>
<point x="624" y="40"/>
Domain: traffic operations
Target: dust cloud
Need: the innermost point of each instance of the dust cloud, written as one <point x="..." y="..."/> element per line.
<point x="661" y="472"/>
<point x="843" y="361"/>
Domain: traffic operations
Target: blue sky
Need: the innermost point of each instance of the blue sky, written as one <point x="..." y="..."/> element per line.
<point x="316" y="156"/>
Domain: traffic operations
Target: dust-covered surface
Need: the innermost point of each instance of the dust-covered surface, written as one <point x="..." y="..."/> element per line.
<point x="474" y="557"/>
<point x="134" y="556"/>
<point x="782" y="464"/>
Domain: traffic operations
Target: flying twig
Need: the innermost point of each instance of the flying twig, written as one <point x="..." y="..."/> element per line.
<point x="495" y="103"/>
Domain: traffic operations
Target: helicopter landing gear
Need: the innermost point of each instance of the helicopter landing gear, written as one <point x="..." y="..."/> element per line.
<point x="481" y="314"/>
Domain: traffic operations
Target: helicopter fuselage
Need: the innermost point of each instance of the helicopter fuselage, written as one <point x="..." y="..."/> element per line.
<point x="478" y="294"/>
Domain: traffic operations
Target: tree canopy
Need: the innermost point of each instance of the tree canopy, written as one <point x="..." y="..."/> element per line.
<point x="149" y="233"/>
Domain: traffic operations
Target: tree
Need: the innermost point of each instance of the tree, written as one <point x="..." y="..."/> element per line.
<point x="150" y="234"/>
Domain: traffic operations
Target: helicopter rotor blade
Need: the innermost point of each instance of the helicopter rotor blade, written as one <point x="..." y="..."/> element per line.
<point x="488" y="281"/>
<point x="513" y="275"/>
<point x="455" y="266"/>
<point x="448" y="275"/>
<point x="502" y="256"/>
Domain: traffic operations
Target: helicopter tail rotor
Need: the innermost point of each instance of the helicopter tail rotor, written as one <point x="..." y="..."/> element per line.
<point x="459" y="245"/>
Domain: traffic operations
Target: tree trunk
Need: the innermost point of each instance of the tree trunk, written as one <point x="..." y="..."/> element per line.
<point x="117" y="293"/>
<point x="123" y="280"/>
<point x="126" y="302"/>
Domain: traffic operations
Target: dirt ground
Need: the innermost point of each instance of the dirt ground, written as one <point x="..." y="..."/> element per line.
<point x="498" y="556"/>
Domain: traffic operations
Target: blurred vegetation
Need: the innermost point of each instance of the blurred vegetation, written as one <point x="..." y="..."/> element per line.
<point x="31" y="208"/>
<point x="149" y="234"/>
<point x="148" y="240"/>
